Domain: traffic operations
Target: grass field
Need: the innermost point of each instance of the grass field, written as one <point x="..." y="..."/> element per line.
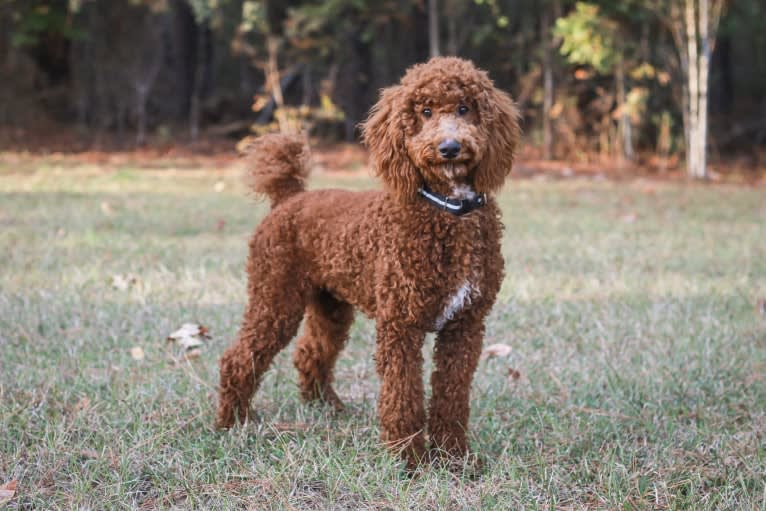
<point x="630" y="308"/>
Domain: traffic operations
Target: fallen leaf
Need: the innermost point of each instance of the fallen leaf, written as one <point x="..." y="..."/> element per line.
<point x="137" y="352"/>
<point x="513" y="374"/>
<point x="7" y="491"/>
<point x="496" y="350"/>
<point x="219" y="186"/>
<point x="189" y="337"/>
<point x="82" y="404"/>
<point x="192" y="354"/>
<point x="89" y="454"/>
<point x="762" y="306"/>
<point x="124" y="282"/>
<point x="106" y="208"/>
<point x="189" y="343"/>
<point x="189" y="329"/>
<point x="629" y="218"/>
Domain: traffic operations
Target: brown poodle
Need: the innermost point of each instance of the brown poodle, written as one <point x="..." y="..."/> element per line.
<point x="423" y="255"/>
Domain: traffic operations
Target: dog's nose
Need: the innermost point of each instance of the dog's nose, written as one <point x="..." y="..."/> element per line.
<point x="450" y="148"/>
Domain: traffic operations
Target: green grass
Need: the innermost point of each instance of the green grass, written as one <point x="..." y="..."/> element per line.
<point x="630" y="308"/>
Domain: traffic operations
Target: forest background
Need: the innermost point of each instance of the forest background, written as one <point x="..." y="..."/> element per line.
<point x="660" y="85"/>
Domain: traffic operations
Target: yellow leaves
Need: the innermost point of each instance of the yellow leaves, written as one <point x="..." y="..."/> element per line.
<point x="646" y="71"/>
<point x="634" y="106"/>
<point x="556" y="110"/>
<point x="260" y="101"/>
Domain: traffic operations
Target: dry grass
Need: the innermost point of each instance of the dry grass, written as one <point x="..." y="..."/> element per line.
<point x="631" y="309"/>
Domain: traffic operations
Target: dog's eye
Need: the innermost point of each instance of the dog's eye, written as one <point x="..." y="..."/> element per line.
<point x="426" y="112"/>
<point x="462" y="110"/>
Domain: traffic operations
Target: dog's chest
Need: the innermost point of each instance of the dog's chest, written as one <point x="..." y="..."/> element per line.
<point x="459" y="300"/>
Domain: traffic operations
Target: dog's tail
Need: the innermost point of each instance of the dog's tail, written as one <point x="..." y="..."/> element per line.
<point x="277" y="166"/>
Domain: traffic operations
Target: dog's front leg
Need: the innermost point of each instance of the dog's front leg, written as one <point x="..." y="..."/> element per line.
<point x="399" y="362"/>
<point x="456" y="355"/>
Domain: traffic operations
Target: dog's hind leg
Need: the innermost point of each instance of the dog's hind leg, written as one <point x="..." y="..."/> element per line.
<point x="328" y="321"/>
<point x="277" y="300"/>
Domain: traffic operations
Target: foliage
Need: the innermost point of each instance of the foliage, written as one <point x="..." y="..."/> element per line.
<point x="70" y="59"/>
<point x="589" y="38"/>
<point x="35" y="19"/>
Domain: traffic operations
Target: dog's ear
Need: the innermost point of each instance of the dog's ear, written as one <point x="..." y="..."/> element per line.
<point x="384" y="134"/>
<point x="500" y="120"/>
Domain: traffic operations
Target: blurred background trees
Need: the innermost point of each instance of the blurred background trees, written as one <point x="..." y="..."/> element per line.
<point x="631" y="81"/>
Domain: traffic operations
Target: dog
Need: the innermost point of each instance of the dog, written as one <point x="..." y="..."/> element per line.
<point x="422" y="255"/>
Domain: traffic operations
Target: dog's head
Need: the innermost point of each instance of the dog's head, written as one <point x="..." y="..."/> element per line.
<point x="445" y="126"/>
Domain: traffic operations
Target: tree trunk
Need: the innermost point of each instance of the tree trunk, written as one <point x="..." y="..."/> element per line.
<point x="692" y="45"/>
<point x="704" y="73"/>
<point x="433" y="28"/>
<point x="452" y="43"/>
<point x="141" y="99"/>
<point x="354" y="96"/>
<point x="547" y="86"/>
<point x="149" y="57"/>
<point x="625" y="128"/>
<point x="195" y="107"/>
<point x="272" y="78"/>
<point x="700" y="25"/>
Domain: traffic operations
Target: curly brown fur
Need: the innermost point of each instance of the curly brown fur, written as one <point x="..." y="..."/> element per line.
<point x="278" y="166"/>
<point x="400" y="260"/>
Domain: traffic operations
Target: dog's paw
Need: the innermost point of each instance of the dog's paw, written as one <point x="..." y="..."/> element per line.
<point x="224" y="418"/>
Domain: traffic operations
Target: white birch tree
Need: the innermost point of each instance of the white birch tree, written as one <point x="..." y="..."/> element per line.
<point x="694" y="25"/>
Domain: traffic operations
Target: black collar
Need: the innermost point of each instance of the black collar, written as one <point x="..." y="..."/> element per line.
<point x="455" y="206"/>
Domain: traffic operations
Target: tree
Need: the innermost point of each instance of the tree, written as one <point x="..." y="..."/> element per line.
<point x="592" y="39"/>
<point x="550" y="10"/>
<point x="146" y="61"/>
<point x="203" y="10"/>
<point x="700" y="25"/>
<point x="694" y="26"/>
<point x="433" y="28"/>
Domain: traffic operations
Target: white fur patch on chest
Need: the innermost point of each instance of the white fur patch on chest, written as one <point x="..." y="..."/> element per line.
<point x="457" y="302"/>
